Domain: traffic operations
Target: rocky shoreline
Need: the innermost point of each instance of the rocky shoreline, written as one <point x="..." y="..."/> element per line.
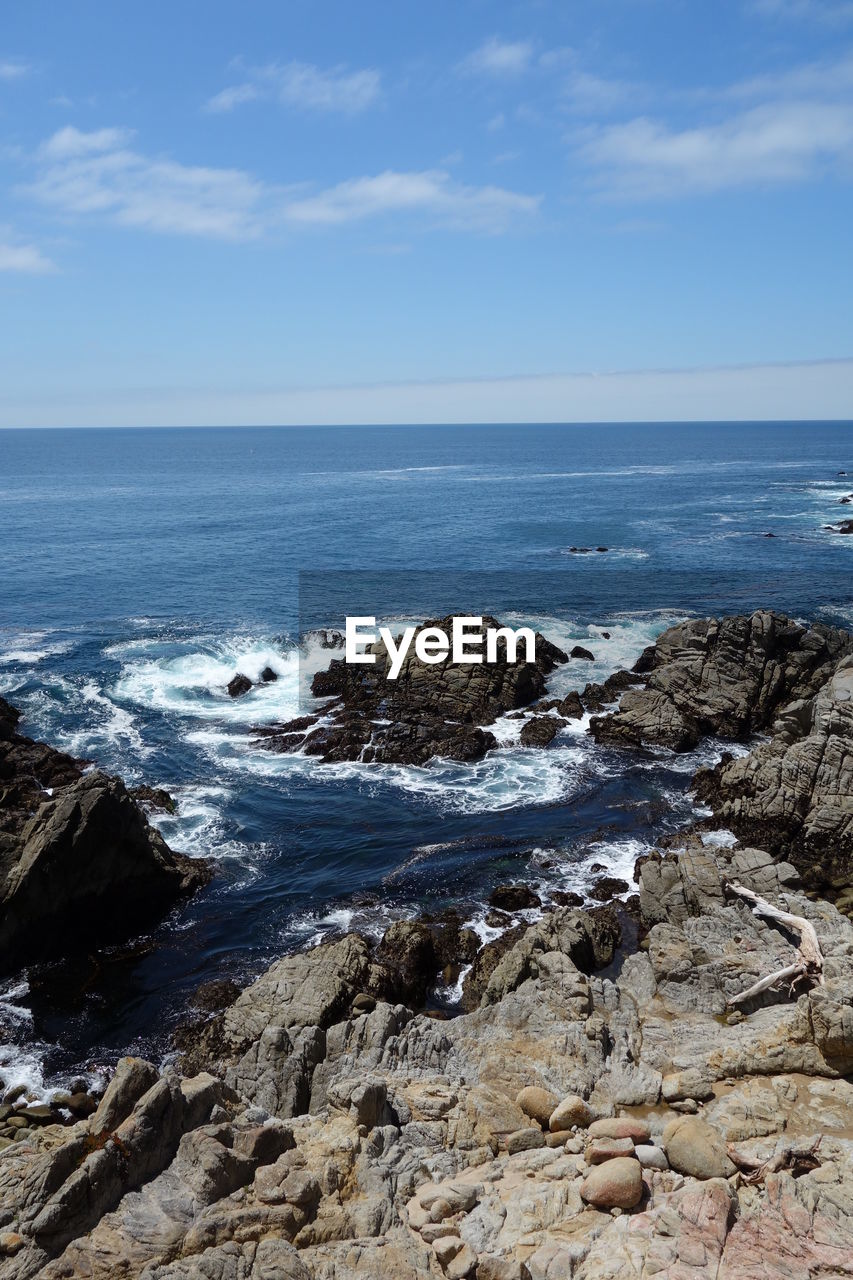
<point x="611" y="1103"/>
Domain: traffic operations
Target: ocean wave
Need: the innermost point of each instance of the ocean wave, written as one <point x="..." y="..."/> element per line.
<point x="29" y="648"/>
<point x="192" y="682"/>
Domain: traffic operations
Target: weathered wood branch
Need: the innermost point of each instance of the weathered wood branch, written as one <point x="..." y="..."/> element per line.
<point x="810" y="957"/>
<point x="794" y="1159"/>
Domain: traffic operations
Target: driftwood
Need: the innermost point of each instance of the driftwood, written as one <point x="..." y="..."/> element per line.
<point x="795" y="1160"/>
<point x="810" y="957"/>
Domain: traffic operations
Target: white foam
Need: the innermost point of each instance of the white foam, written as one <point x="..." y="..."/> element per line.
<point x="112" y="725"/>
<point x="29" y="648"/>
<point x="193" y="682"/>
<point x="198" y="828"/>
<point x="722" y="839"/>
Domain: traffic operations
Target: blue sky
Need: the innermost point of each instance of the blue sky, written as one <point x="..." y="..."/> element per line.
<point x="310" y="210"/>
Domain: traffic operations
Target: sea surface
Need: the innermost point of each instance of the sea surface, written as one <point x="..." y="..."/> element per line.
<point x="141" y="569"/>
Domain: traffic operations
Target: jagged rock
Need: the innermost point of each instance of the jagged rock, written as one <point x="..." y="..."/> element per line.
<point x="268" y="675"/>
<point x="726" y="677"/>
<point x="436" y="709"/>
<point x="238" y="685"/>
<point x="795" y="792"/>
<point x="580" y="652"/>
<point x="80" y="866"/>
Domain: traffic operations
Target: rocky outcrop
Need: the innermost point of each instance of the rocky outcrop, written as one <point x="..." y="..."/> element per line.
<point x="728" y="678"/>
<point x="79" y="862"/>
<point x="568" y="1125"/>
<point x="795" y="792"/>
<point x="436" y="709"/>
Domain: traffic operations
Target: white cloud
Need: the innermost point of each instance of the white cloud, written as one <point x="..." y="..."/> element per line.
<point x="496" y="57"/>
<point x="431" y="192"/>
<point x="99" y="173"/>
<point x="25" y="259"/>
<point x="772" y="143"/>
<point x="301" y="85"/>
<point x="70" y="142"/>
<point x="14" y="69"/>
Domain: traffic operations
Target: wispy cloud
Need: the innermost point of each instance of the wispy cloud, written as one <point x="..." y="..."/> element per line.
<point x="772" y="143"/>
<point x="495" y="57"/>
<point x="431" y="192"/>
<point x="304" y="86"/>
<point x="25" y="259"/>
<point x="100" y="174"/>
<point x="14" y="68"/>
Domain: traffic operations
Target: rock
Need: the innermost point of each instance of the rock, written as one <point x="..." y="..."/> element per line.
<point x="571" y="1112"/>
<point x="462" y="1265"/>
<point x="238" y="685"/>
<point x="571" y="706"/>
<point x="607" y="887"/>
<point x="215" y="995"/>
<point x="81" y="867"/>
<point x="154" y="799"/>
<point x="539" y="732"/>
<point x="694" y="1148"/>
<point x="268" y="675"/>
<point x="617" y="1184"/>
<point x="428" y="710"/>
<point x="690" y="1083"/>
<point x="601" y="1149"/>
<point x="514" y="897"/>
<point x="524" y="1140"/>
<point x="579" y="652"/>
<point x="727" y="677"/>
<point x="620" y="1127"/>
<point x="650" y="1157"/>
<point x="794" y="794"/>
<point x="538" y="1104"/>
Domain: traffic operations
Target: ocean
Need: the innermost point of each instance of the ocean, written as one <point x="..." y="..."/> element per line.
<point x="141" y="569"/>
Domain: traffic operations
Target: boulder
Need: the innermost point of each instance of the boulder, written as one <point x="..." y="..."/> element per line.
<point x="617" y="1184"/>
<point x="696" y="1149"/>
<point x="580" y="652"/>
<point x="538" y="1104"/>
<point x="571" y="1112"/>
<point x="540" y="731"/>
<point x="620" y="1127"/>
<point x="268" y="675"/>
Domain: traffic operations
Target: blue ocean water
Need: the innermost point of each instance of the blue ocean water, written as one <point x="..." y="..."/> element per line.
<point x="140" y="569"/>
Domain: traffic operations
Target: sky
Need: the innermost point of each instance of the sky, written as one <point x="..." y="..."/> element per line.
<point x="462" y="210"/>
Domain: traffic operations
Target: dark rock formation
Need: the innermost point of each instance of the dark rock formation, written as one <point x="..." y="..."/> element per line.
<point x="79" y="862"/>
<point x="268" y="675"/>
<point x="239" y="685"/>
<point x="430" y="710"/>
<point x="514" y="897"/>
<point x="580" y="652"/>
<point x="539" y="731"/>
